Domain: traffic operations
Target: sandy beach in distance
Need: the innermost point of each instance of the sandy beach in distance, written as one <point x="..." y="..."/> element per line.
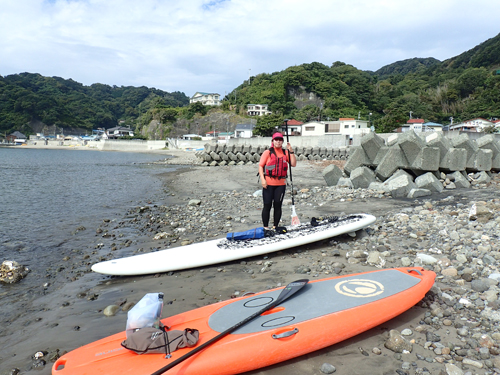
<point x="71" y="314"/>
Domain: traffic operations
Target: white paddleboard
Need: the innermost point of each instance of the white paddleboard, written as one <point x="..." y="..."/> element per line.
<point x="221" y="250"/>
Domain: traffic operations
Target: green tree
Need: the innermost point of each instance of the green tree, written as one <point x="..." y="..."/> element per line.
<point x="266" y="125"/>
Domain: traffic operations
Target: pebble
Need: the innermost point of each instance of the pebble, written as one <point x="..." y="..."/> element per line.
<point x="111" y="310"/>
<point x="327" y="368"/>
<point x="397" y="343"/>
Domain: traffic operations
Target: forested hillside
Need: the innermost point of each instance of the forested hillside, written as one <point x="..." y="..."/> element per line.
<point x="463" y="87"/>
<point x="26" y="98"/>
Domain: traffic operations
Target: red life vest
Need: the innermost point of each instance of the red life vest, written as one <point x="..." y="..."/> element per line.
<point x="276" y="167"/>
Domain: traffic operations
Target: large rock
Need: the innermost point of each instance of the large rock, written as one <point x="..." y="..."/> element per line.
<point x="362" y="177"/>
<point x="451" y="159"/>
<point x="419" y="156"/>
<point x="12" y="272"/>
<point x="417" y="193"/>
<point x="430" y="182"/>
<point x="488" y="142"/>
<point x="459" y="179"/>
<point x="400" y="184"/>
<point x="477" y="159"/>
<point x="357" y="158"/>
<point x="332" y="174"/>
<point x="371" y="144"/>
<point x="391" y="159"/>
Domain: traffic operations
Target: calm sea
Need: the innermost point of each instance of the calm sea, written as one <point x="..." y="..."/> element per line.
<point x="45" y="195"/>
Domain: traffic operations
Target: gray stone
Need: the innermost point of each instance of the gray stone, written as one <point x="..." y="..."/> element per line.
<point x="361" y="177"/>
<point x="481" y="285"/>
<point x="397" y="343"/>
<point x="489" y="142"/>
<point x="452" y="369"/>
<point x="393" y="159"/>
<point x="411" y="144"/>
<point x="459" y="179"/>
<point x="454" y="159"/>
<point x="215" y="156"/>
<point x="371" y="144"/>
<point x="332" y="174"/>
<point x="357" y="158"/>
<point x="415" y="193"/>
<point x="400" y="184"/>
<point x="430" y="182"/>
<point x="327" y="368"/>
<point x="482" y="160"/>
<point x="482" y="178"/>
<point x="345" y="182"/>
<point x="428" y="160"/>
<point x="111" y="310"/>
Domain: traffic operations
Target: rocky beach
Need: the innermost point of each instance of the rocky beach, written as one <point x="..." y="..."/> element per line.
<point x="454" y="330"/>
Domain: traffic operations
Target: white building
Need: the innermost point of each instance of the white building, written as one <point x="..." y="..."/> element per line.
<point x="346" y="126"/>
<point x="476" y="125"/>
<point x="118" y="132"/>
<point x="258" y="110"/>
<point x="418" y="125"/>
<point x="206" y="98"/>
<point x="244" y="131"/>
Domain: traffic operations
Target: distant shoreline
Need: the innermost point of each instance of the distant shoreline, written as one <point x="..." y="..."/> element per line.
<point x="178" y="156"/>
<point x="93" y="146"/>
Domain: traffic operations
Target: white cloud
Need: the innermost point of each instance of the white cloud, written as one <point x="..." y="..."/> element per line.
<point x="202" y="45"/>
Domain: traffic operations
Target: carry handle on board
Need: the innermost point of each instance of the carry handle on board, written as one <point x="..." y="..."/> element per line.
<point x="286" y="293"/>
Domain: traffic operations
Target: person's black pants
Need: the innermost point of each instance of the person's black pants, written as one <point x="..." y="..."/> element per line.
<point x="272" y="196"/>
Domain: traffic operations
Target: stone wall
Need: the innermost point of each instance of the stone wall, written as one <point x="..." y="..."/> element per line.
<point x="218" y="154"/>
<point x="411" y="165"/>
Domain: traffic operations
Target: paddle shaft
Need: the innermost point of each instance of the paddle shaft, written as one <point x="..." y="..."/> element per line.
<point x="287" y="292"/>
<point x="289" y="158"/>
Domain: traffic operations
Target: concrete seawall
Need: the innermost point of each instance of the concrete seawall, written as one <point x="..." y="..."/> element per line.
<point x="102" y="145"/>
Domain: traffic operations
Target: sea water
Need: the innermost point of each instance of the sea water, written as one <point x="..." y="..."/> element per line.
<point x="48" y="195"/>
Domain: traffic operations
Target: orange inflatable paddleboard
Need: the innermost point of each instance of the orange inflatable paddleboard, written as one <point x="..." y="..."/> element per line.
<point x="322" y="313"/>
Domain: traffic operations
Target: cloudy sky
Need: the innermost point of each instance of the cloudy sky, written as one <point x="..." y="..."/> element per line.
<point x="214" y="45"/>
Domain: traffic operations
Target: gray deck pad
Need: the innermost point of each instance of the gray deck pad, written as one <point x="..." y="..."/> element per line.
<point x="314" y="300"/>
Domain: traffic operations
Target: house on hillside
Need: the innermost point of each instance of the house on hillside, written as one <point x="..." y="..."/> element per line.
<point x="258" y="110"/>
<point x="118" y="132"/>
<point x="419" y="125"/>
<point x="244" y="130"/>
<point x="414" y="124"/>
<point x="206" y="98"/>
<point x="16" y="137"/>
<point x="432" y="127"/>
<point x="476" y="125"/>
<point x="347" y="126"/>
<point x="294" y="127"/>
<point x="344" y="126"/>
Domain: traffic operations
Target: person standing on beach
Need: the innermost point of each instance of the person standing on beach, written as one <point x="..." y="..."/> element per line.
<point x="273" y="169"/>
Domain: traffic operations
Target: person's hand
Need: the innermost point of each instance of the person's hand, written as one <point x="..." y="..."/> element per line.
<point x="264" y="184"/>
<point x="289" y="147"/>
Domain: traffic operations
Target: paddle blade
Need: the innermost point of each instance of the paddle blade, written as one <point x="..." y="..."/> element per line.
<point x="295" y="218"/>
<point x="290" y="290"/>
